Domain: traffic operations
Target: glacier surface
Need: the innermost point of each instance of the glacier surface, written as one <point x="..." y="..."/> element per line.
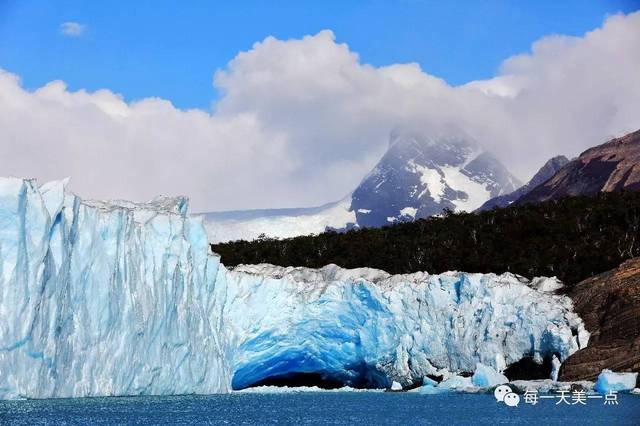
<point x="285" y="223"/>
<point x="118" y="298"/>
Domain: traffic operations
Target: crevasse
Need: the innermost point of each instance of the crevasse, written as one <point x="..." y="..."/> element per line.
<point x="118" y="298"/>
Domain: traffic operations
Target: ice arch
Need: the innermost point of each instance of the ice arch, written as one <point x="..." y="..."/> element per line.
<point x="332" y="338"/>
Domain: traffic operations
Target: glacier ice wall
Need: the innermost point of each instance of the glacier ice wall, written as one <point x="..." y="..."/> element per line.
<point x="366" y="327"/>
<point x="124" y="299"/>
<point x="104" y="299"/>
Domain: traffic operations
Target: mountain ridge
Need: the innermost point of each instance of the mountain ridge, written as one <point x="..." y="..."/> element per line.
<point x="611" y="166"/>
<point x="545" y="173"/>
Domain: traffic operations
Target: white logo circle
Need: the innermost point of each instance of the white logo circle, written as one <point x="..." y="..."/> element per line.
<point x="501" y="391"/>
<point x="512" y="399"/>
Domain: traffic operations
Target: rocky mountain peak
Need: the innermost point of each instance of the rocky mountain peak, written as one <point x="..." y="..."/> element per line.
<point x="549" y="169"/>
<point x="421" y="175"/>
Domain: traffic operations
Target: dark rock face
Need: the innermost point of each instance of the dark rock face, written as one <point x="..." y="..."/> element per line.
<point x="609" y="304"/>
<point x="612" y="166"/>
<point x="419" y="177"/>
<point x="549" y="169"/>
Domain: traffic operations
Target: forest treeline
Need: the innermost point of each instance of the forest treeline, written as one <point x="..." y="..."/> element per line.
<point x="572" y="238"/>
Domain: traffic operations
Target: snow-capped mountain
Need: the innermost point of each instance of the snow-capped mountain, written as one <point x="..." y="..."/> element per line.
<point x="418" y="177"/>
<point x="545" y="173"/>
<point x="105" y="299"/>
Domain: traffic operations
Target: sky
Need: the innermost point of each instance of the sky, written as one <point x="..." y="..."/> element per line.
<point x="145" y="49"/>
<point x="253" y="105"/>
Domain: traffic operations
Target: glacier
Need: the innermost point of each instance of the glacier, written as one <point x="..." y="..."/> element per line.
<point x="119" y="298"/>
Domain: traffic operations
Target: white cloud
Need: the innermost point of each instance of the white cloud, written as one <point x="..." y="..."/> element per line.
<point x="72" y="29"/>
<point x="301" y="121"/>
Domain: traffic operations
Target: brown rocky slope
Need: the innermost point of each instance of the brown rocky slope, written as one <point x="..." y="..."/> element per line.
<point x="612" y="166"/>
<point x="609" y="304"/>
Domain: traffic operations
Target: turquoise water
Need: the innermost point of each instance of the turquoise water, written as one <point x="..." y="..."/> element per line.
<point x="314" y="408"/>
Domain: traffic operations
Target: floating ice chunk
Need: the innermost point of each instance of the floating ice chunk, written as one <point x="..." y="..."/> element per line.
<point x="617" y="382"/>
<point x="486" y="377"/>
<point x="430" y="387"/>
<point x="458" y="383"/>
<point x="395" y="386"/>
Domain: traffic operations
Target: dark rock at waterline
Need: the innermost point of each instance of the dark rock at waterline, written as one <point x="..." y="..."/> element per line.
<point x="609" y="304"/>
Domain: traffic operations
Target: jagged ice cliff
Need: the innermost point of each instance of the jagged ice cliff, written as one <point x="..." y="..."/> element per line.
<point x="122" y="299"/>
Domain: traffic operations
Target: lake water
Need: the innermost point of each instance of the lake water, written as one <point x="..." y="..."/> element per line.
<point x="366" y="408"/>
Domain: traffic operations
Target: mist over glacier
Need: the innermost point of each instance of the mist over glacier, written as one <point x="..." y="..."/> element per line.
<point x="118" y="298"/>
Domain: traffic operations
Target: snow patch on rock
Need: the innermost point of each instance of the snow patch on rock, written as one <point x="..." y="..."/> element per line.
<point x="475" y="193"/>
<point x="409" y="211"/>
